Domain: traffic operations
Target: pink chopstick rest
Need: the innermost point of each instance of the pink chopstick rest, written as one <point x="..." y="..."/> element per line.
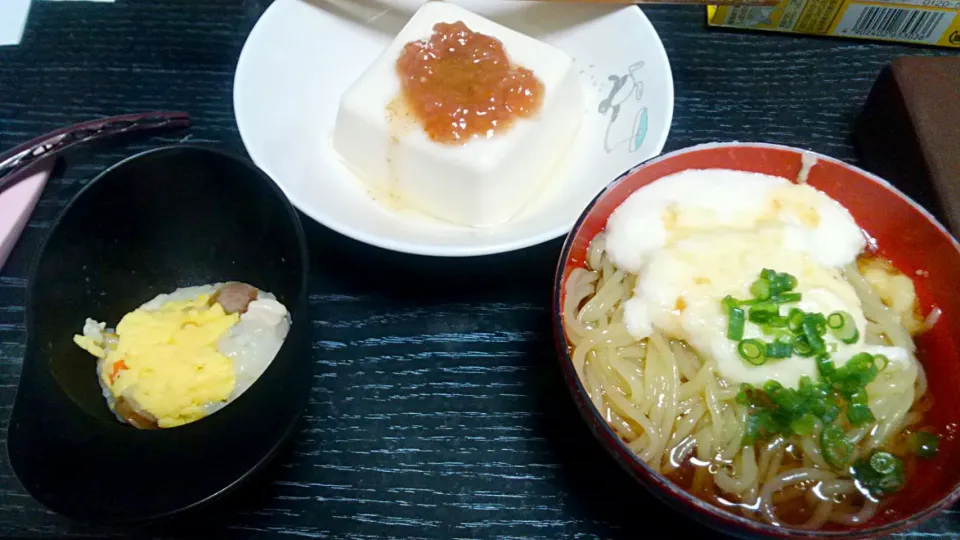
<point x="16" y="205"/>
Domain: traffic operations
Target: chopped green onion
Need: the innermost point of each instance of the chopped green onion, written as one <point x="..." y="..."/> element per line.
<point x="835" y="320"/>
<point x="772" y="387"/>
<point x="859" y="414"/>
<point x="781" y="283"/>
<point x="812" y="390"/>
<point x="786" y="298"/>
<point x="824" y="365"/>
<point x="779" y="349"/>
<point x="818" y="397"/>
<point x="764" y="313"/>
<point x="831" y="413"/>
<point x="812" y="333"/>
<point x="735" y="324"/>
<point x="883" y="462"/>
<point x="778" y="411"/>
<point x="924" y="444"/>
<point x="861" y="360"/>
<point x="789" y="281"/>
<point x="836" y="448"/>
<point x="768" y="422"/>
<point x="760" y="289"/>
<point x="842" y="325"/>
<point x="819" y="322"/>
<point x="774" y="328"/>
<point x="778" y="322"/>
<point x="776" y="285"/>
<point x="801" y="347"/>
<point x="859" y="397"/>
<point x="859" y="371"/>
<point x="753" y="351"/>
<point x="751" y="430"/>
<point x="805" y="425"/>
<point x="795" y="321"/>
<point x="879" y="483"/>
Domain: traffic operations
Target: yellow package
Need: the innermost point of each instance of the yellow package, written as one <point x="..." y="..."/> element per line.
<point x="931" y="22"/>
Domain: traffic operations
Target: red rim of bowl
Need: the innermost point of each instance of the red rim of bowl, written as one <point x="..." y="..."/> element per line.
<point x="659" y="485"/>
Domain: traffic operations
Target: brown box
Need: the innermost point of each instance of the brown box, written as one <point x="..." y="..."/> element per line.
<point x="930" y="22"/>
<point x="909" y="132"/>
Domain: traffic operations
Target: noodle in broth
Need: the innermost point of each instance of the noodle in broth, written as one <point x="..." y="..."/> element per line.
<point x="675" y="411"/>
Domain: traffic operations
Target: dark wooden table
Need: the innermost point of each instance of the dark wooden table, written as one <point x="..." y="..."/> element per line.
<point x="437" y="410"/>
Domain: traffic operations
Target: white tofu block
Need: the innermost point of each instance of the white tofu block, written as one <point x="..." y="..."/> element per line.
<point x="483" y="182"/>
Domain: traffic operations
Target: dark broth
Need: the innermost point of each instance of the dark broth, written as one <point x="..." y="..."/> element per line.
<point x="790" y="504"/>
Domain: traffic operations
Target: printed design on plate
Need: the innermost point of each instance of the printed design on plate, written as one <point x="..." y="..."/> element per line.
<point x="628" y="120"/>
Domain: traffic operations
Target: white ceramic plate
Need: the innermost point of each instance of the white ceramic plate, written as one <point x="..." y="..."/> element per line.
<point x="303" y="54"/>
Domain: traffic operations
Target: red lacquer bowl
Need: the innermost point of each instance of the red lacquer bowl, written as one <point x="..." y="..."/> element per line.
<point x="905" y="233"/>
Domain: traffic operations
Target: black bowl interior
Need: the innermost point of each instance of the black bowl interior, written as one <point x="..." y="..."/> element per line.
<point x="168" y="218"/>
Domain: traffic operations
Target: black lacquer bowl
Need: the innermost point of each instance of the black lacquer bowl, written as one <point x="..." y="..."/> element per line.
<point x="164" y="219"/>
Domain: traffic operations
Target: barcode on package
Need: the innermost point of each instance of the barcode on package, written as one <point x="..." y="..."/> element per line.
<point x="907" y="24"/>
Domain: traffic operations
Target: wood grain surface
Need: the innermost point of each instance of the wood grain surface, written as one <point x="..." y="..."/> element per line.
<point x="438" y="410"/>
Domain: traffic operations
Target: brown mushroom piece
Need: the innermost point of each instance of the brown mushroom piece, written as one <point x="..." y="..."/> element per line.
<point x="134" y="418"/>
<point x="235" y="296"/>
